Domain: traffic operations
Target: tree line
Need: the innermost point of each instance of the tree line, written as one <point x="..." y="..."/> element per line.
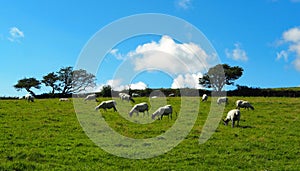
<point x="65" y="81"/>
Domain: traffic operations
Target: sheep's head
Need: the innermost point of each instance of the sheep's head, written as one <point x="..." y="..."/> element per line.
<point x="225" y="121"/>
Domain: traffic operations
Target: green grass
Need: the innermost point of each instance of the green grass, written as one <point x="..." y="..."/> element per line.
<point x="46" y="135"/>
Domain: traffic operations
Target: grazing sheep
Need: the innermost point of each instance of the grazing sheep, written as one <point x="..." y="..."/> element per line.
<point x="204" y="97"/>
<point x="107" y="105"/>
<point x="243" y="104"/>
<point x="172" y="95"/>
<point x="64" y="99"/>
<point x="126" y="97"/>
<point x="91" y="97"/>
<point x="233" y="115"/>
<point x="160" y="112"/>
<point x="222" y="100"/>
<point x="135" y="95"/>
<point x="29" y="97"/>
<point x="141" y="107"/>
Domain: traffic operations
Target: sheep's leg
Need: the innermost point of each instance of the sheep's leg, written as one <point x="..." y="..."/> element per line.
<point x="232" y="124"/>
<point x="238" y="123"/>
<point x="115" y="110"/>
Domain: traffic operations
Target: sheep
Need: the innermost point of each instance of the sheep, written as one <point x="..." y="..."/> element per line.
<point x="141" y="107"/>
<point x="107" y="105"/>
<point x="204" y="97"/>
<point x="243" y="104"/>
<point x="222" y="100"/>
<point x="233" y="115"/>
<point x="160" y="112"/>
<point x="126" y="97"/>
<point x="91" y="97"/>
<point x="29" y="97"/>
<point x="63" y="99"/>
<point x="172" y="95"/>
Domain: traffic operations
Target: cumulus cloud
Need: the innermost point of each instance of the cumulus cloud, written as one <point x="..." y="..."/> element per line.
<point x="291" y="38"/>
<point x="184" y="4"/>
<point x="182" y="61"/>
<point x="15" y="34"/>
<point x="117" y="85"/>
<point x="169" y="56"/>
<point x="237" y="54"/>
<point x="187" y="80"/>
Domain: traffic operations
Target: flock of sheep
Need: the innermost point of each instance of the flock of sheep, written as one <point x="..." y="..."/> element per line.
<point x="140" y="107"/>
<point x="234" y="114"/>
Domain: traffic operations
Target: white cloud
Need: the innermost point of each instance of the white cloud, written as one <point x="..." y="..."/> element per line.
<point x="183" y="61"/>
<point x="291" y="38"/>
<point x="237" y="53"/>
<point x="15" y="34"/>
<point x="184" y="4"/>
<point x="187" y="80"/>
<point x="116" y="54"/>
<point x="292" y="35"/>
<point x="118" y="86"/>
<point x="282" y="54"/>
<point x="169" y="56"/>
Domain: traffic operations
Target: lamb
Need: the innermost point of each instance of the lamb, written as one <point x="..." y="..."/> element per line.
<point x="29" y="97"/>
<point x="243" y="104"/>
<point x="107" y="105"/>
<point x="233" y="115"/>
<point x="91" y="97"/>
<point x="63" y="99"/>
<point x="222" y="100"/>
<point x="204" y="97"/>
<point x="126" y="97"/>
<point x="160" y="112"/>
<point x="141" y="107"/>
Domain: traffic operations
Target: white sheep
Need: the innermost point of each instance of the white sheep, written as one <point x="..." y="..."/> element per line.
<point x="91" y="97"/>
<point x="172" y="95"/>
<point x="233" y="115"/>
<point x="222" y="100"/>
<point x="107" y="105"/>
<point x="126" y="97"/>
<point x="141" y="107"/>
<point x="160" y="112"/>
<point x="29" y="97"/>
<point x="243" y="104"/>
<point x="63" y="99"/>
<point x="204" y="97"/>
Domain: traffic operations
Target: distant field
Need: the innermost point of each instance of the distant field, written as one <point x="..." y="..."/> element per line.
<point x="46" y="135"/>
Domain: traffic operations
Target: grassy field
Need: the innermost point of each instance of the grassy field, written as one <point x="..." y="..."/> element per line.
<point x="46" y="135"/>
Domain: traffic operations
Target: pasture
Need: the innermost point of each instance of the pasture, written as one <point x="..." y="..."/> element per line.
<point x="46" y="135"/>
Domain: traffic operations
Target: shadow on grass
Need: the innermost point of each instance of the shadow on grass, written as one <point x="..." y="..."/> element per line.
<point x="246" y="126"/>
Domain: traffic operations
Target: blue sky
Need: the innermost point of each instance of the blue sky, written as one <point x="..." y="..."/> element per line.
<point x="261" y="36"/>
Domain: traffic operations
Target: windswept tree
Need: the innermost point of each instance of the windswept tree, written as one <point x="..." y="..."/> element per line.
<point x="75" y="81"/>
<point x="27" y="84"/>
<point x="51" y="80"/>
<point x="81" y="80"/>
<point x="220" y="75"/>
<point x="65" y="78"/>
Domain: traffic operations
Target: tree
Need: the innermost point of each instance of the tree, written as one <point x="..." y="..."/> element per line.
<point x="106" y="91"/>
<point x="81" y="80"/>
<point x="220" y="75"/>
<point x="65" y="78"/>
<point x="75" y="81"/>
<point x="50" y="80"/>
<point x="27" y="84"/>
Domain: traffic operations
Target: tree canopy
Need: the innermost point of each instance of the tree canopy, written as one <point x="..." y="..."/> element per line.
<point x="220" y="75"/>
<point x="27" y="84"/>
<point x="51" y="80"/>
